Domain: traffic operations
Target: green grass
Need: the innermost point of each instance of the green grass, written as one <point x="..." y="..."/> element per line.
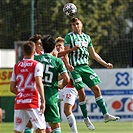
<point x="100" y="127"/>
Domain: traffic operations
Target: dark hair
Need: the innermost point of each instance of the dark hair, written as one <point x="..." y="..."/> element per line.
<point x="35" y="38"/>
<point x="28" y="48"/>
<point x="48" y="43"/>
<point x="74" y="19"/>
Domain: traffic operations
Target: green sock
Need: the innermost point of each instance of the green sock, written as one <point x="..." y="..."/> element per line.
<point x="102" y="105"/>
<point x="83" y="109"/>
<point x="28" y="130"/>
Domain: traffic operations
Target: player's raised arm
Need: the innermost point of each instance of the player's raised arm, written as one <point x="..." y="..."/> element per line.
<point x="96" y="57"/>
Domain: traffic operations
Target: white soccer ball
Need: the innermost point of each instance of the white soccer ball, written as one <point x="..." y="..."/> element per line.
<point x="70" y="9"/>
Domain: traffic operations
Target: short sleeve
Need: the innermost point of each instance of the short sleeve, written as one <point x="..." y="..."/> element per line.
<point x="62" y="67"/>
<point x="90" y="42"/>
<point x="67" y="41"/>
<point x="13" y="78"/>
<point x="39" y="70"/>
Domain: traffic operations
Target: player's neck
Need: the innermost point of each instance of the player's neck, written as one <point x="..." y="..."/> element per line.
<point x="79" y="33"/>
<point x="29" y="56"/>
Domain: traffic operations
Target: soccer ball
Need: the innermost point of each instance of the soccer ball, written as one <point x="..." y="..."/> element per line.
<point x="70" y="9"/>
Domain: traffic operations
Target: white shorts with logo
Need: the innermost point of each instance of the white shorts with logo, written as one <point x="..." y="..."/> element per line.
<point x="68" y="95"/>
<point x="21" y="118"/>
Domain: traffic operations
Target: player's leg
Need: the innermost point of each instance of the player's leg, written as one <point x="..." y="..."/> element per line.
<point x="70" y="95"/>
<point x="20" y="120"/>
<point x="102" y="105"/>
<point x="37" y="119"/>
<point x="91" y="79"/>
<point x="55" y="127"/>
<point x="48" y="128"/>
<point x="53" y="117"/>
<point x="40" y="131"/>
<point x="28" y="128"/>
<point x="70" y="117"/>
<point x="79" y="85"/>
<point x="0" y="115"/>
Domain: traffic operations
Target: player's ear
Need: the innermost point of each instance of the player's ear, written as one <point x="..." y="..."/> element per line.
<point x="34" y="51"/>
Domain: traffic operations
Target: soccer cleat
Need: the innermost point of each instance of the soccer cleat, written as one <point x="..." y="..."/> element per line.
<point x="88" y="123"/>
<point x="109" y="117"/>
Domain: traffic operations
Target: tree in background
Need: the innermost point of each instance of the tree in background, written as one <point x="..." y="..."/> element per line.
<point x="108" y="22"/>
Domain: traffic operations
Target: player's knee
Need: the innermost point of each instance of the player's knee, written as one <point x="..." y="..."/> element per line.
<point x="67" y="112"/>
<point x="96" y="90"/>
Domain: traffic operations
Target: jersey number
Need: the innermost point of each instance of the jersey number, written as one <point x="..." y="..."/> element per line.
<point x="25" y="83"/>
<point x="49" y="76"/>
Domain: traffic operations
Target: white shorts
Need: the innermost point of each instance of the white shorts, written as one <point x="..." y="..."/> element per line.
<point x="21" y="118"/>
<point x="68" y="95"/>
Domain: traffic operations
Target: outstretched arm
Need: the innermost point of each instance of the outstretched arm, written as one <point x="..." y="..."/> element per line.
<point x="96" y="57"/>
<point x="63" y="53"/>
<point x="67" y="64"/>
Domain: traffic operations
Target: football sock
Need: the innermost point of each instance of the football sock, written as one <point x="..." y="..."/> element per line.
<point x="72" y="123"/>
<point x="56" y="130"/>
<point x="28" y="130"/>
<point x="83" y="109"/>
<point x="102" y="105"/>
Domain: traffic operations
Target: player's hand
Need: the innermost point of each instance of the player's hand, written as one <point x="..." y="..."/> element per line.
<point x="42" y="107"/>
<point x="55" y="53"/>
<point x="76" y="47"/>
<point x="70" y="67"/>
<point x="109" y="65"/>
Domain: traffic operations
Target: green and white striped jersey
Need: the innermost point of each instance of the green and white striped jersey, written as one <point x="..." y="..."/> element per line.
<point x="81" y="55"/>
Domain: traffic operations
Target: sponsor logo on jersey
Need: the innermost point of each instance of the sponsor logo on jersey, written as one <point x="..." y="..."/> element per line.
<point x="25" y="64"/>
<point x="24" y="101"/>
<point x="20" y="95"/>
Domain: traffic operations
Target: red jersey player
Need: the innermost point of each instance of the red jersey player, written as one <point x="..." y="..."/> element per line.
<point x="26" y="83"/>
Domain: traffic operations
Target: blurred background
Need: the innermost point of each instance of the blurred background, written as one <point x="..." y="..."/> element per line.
<point x="108" y="22"/>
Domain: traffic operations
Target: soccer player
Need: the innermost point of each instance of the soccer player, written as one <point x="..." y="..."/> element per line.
<point x="68" y="94"/>
<point x="37" y="40"/>
<point x="38" y="50"/>
<point x="77" y="63"/>
<point x="26" y="83"/>
<point x="52" y="67"/>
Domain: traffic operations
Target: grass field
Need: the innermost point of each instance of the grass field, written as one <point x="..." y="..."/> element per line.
<point x="100" y="127"/>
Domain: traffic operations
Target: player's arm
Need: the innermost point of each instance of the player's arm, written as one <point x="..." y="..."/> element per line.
<point x="60" y="78"/>
<point x="62" y="85"/>
<point x="40" y="88"/>
<point x="96" y="57"/>
<point x="67" y="43"/>
<point x="67" y="64"/>
<point x="65" y="77"/>
<point x="39" y="84"/>
<point x="13" y="88"/>
<point x="63" y="71"/>
<point x="54" y="52"/>
<point x="63" y="53"/>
